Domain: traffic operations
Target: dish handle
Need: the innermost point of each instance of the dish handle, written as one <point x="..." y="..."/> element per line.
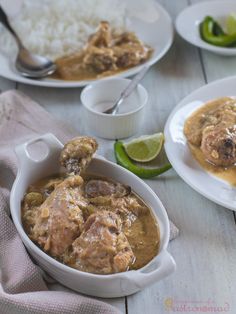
<point x="51" y="148"/>
<point x="160" y="268"/>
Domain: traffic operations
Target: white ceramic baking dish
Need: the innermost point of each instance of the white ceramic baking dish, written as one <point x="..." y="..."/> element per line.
<point x="108" y="286"/>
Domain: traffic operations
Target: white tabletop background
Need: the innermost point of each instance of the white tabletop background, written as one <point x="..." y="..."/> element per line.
<point x="205" y="251"/>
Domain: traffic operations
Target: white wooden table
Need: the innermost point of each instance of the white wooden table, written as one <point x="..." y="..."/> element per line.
<point x="205" y="251"/>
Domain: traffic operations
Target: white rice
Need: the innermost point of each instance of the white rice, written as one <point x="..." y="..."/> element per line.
<point x="54" y="28"/>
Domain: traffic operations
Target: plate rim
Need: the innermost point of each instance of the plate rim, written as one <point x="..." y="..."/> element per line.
<point x="184" y="102"/>
<point x="201" y="43"/>
<point x="124" y="74"/>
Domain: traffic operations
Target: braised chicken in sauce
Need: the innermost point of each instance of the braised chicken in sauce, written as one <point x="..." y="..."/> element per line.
<point x="106" y="53"/>
<point x="211" y="135"/>
<point x="102" y="247"/>
<point x="77" y="154"/>
<point x="89" y="222"/>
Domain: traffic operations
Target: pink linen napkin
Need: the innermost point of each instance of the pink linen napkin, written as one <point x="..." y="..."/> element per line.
<point x="22" y="287"/>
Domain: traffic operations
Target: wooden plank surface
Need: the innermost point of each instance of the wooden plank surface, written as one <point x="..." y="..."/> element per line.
<point x="204" y="256"/>
<point x="205" y="250"/>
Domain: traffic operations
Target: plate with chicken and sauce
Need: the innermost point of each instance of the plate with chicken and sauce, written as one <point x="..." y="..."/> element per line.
<point x="89" y="40"/>
<point x="92" y="225"/>
<point x="200" y="141"/>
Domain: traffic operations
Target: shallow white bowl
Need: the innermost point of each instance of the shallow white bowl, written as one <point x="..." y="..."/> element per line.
<point x="179" y="154"/>
<point x="107" y="286"/>
<point x="187" y="23"/>
<point x="121" y="125"/>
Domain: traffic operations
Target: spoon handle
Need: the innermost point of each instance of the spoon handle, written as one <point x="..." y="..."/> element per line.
<point x="134" y="82"/>
<point x="5" y="22"/>
<point x="129" y="89"/>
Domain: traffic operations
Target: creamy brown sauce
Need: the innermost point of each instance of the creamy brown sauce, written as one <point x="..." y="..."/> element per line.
<point x="144" y="238"/>
<point x="193" y="129"/>
<point x="227" y="174"/>
<point x="140" y="227"/>
<point x="84" y="73"/>
<point x="71" y="68"/>
<point x="106" y="53"/>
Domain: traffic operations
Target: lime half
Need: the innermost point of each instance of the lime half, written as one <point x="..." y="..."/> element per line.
<point x="231" y="24"/>
<point x="145" y="148"/>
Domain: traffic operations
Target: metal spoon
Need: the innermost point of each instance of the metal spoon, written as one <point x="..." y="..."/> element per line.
<point x="28" y="64"/>
<point x="128" y="90"/>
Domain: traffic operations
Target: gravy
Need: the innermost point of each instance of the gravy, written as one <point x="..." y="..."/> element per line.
<point x="227" y="174"/>
<point x="193" y="129"/>
<point x="106" y="53"/>
<point x="138" y="223"/>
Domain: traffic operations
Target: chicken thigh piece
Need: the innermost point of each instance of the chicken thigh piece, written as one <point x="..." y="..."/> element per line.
<point x="59" y="220"/>
<point x="219" y="145"/>
<point x="100" y="59"/>
<point x="77" y="154"/>
<point x="102" y="247"/>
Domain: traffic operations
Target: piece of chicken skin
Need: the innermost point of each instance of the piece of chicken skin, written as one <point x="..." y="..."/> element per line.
<point x="59" y="220"/>
<point x="100" y="59"/>
<point x="98" y="187"/>
<point x="219" y="145"/>
<point x="102" y="247"/>
<point x="130" y="54"/>
<point x="222" y="113"/>
<point x="77" y="154"/>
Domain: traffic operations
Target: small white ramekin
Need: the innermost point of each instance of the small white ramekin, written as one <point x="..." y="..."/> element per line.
<point x="120" y="125"/>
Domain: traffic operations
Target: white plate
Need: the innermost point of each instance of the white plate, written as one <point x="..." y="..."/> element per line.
<point x="147" y="20"/>
<point x="187" y="23"/>
<point x="213" y="188"/>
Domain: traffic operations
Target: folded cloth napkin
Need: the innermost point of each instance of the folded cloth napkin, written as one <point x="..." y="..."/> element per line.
<point x="22" y="287"/>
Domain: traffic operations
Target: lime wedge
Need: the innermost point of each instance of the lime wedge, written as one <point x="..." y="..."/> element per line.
<point x="145" y="148"/>
<point x="231" y="24"/>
